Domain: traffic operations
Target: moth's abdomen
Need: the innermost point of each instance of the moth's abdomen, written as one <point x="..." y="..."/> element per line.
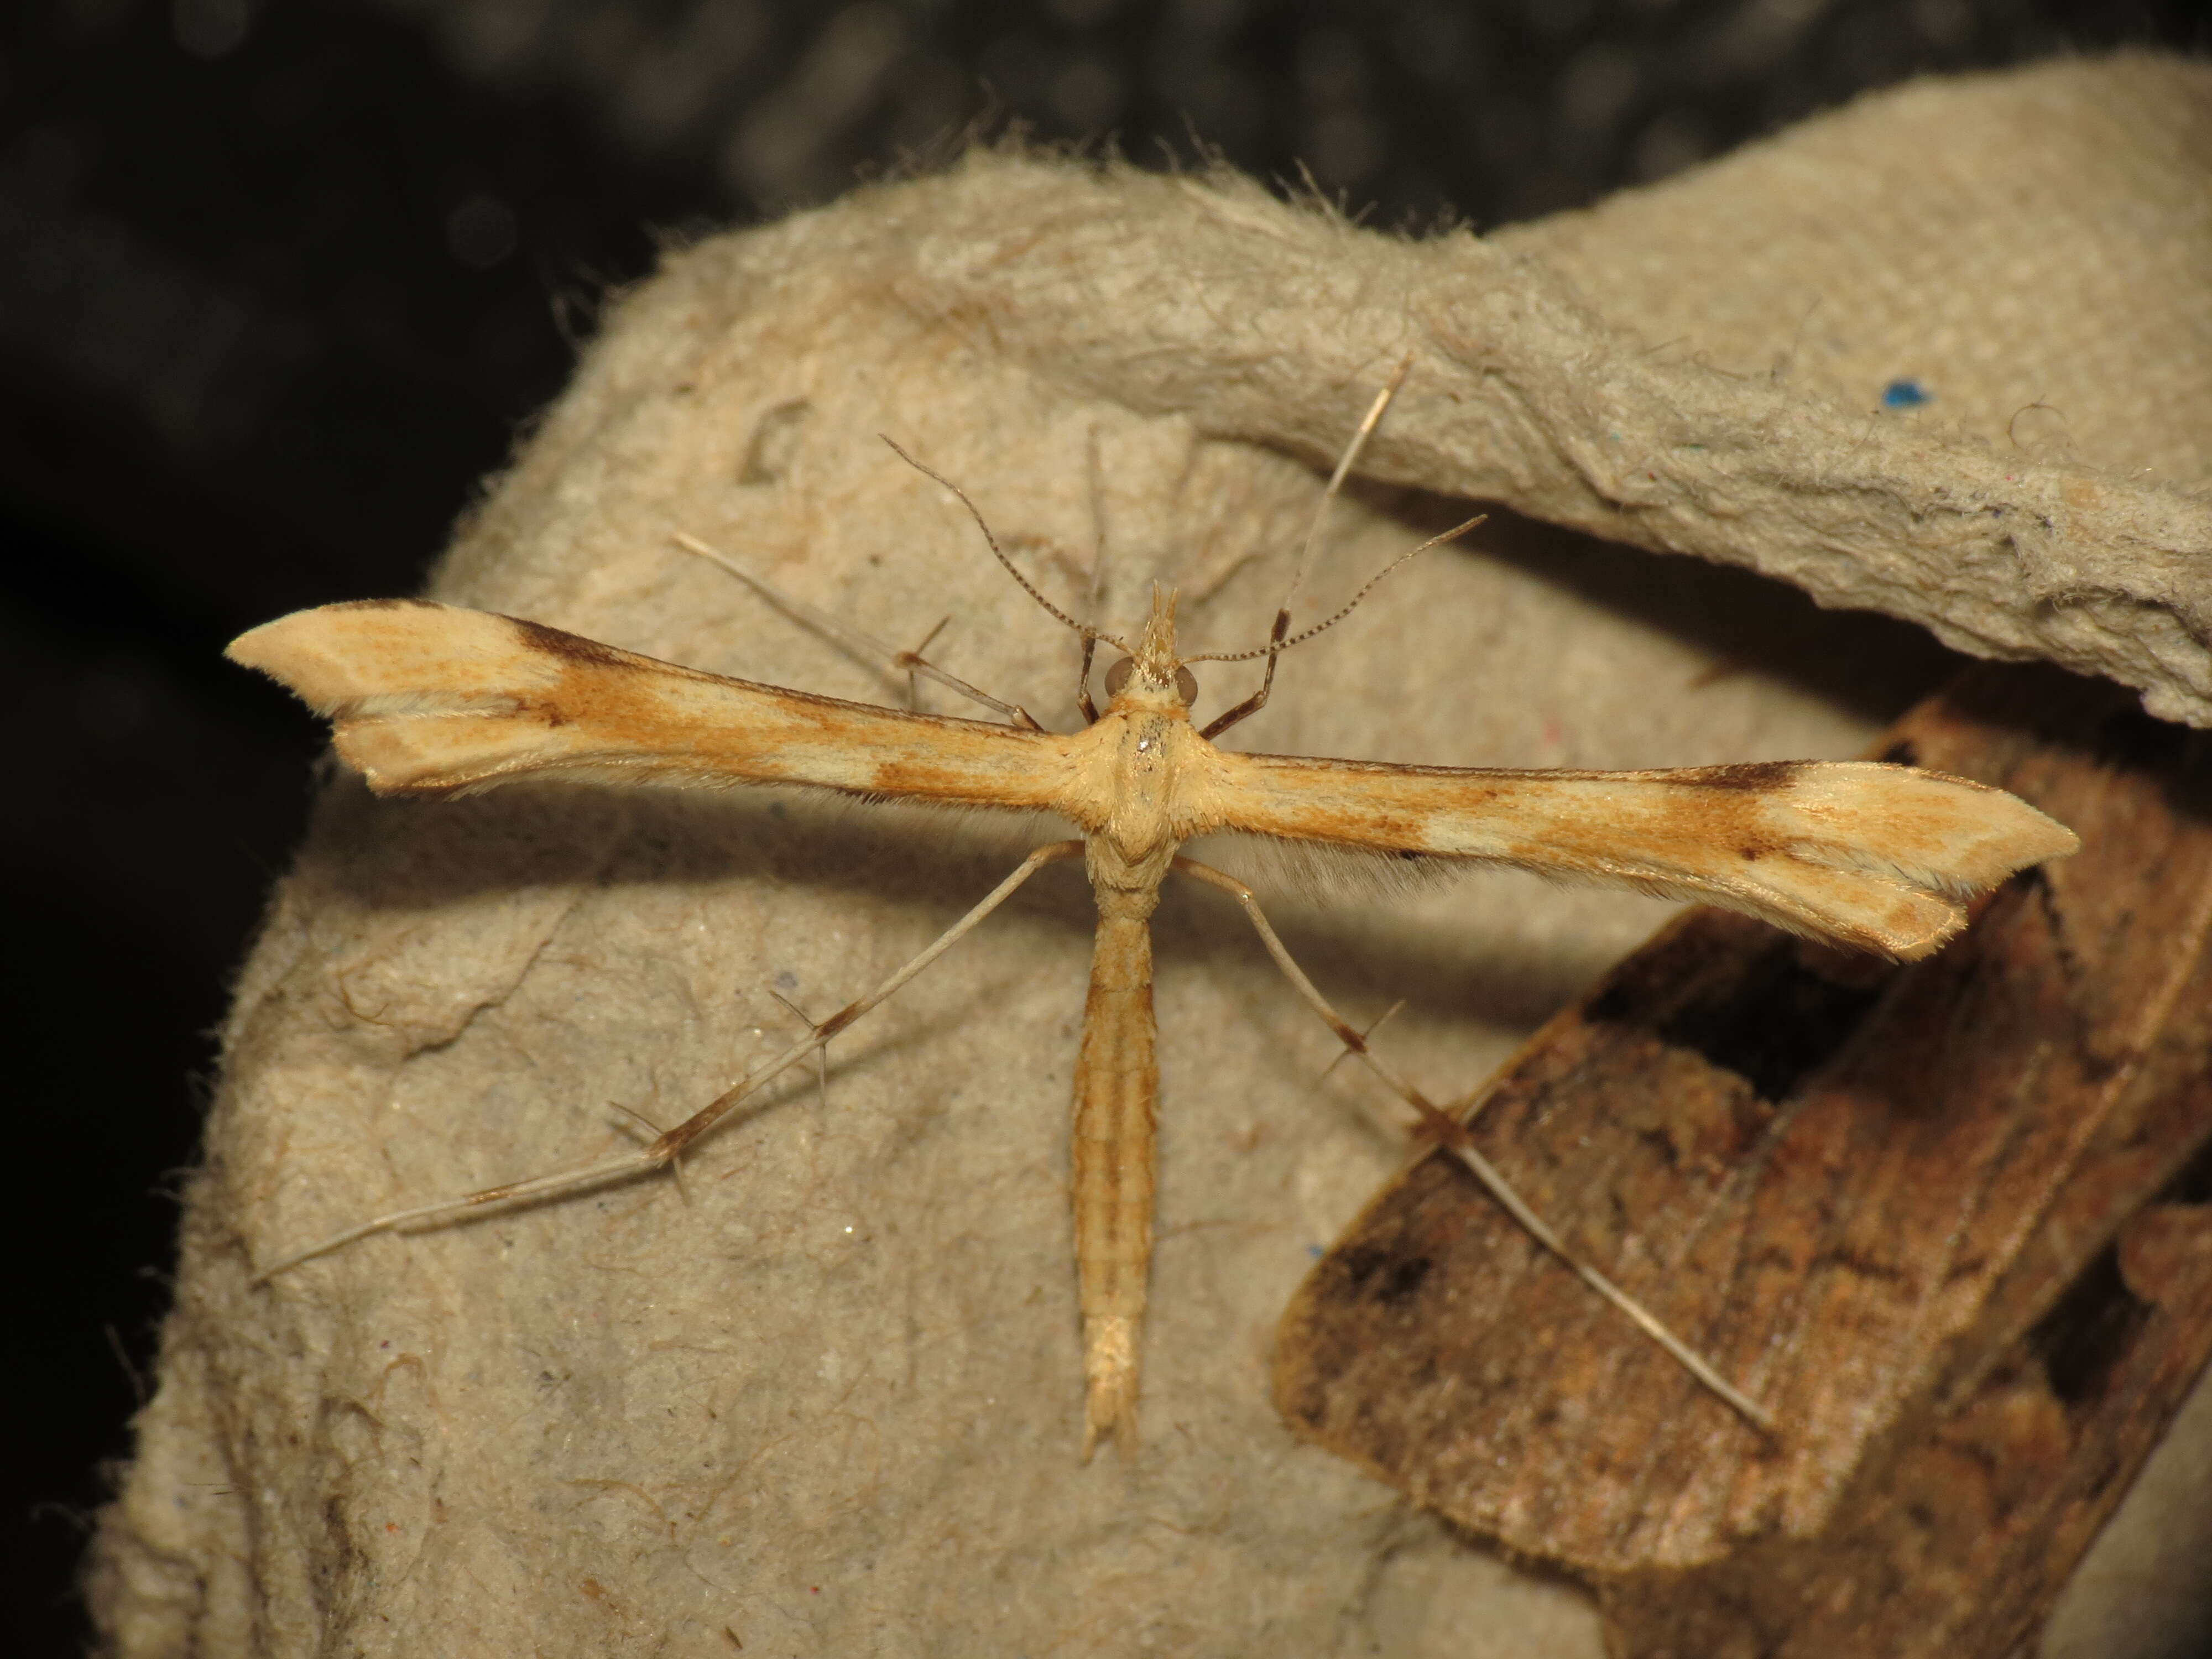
<point x="1116" y="1114"/>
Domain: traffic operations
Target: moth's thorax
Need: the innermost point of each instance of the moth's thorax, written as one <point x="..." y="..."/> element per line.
<point x="1140" y="749"/>
<point x="1142" y="768"/>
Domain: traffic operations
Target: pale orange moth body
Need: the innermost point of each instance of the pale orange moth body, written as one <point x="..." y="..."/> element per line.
<point x="430" y="700"/>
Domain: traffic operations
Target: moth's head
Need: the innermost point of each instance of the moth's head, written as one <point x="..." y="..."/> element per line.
<point x="1153" y="672"/>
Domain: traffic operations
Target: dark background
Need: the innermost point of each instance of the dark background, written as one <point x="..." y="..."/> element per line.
<point x="281" y="280"/>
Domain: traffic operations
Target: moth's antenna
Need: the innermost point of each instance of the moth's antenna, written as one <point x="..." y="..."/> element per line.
<point x="1280" y="644"/>
<point x="1029" y="587"/>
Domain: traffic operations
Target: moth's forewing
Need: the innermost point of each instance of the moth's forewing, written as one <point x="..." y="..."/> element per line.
<point x="435" y="699"/>
<point x="1879" y="857"/>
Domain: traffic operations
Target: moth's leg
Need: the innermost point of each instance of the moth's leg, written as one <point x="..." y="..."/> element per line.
<point x="1277" y="644"/>
<point x="671" y="1144"/>
<point x="1368" y="423"/>
<point x="1373" y="418"/>
<point x="1090" y="709"/>
<point x="1455" y="1139"/>
<point x="912" y="663"/>
<point x="820" y="1055"/>
<point x="1095" y="474"/>
<point x="1367" y="1035"/>
<point x="1258" y="700"/>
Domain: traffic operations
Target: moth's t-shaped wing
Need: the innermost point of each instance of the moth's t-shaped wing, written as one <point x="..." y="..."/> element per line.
<point x="1881" y="857"/>
<point x="430" y="699"/>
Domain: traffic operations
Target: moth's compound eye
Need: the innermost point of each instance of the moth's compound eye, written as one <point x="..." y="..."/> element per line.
<point x="1118" y="676"/>
<point x="1185" y="686"/>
